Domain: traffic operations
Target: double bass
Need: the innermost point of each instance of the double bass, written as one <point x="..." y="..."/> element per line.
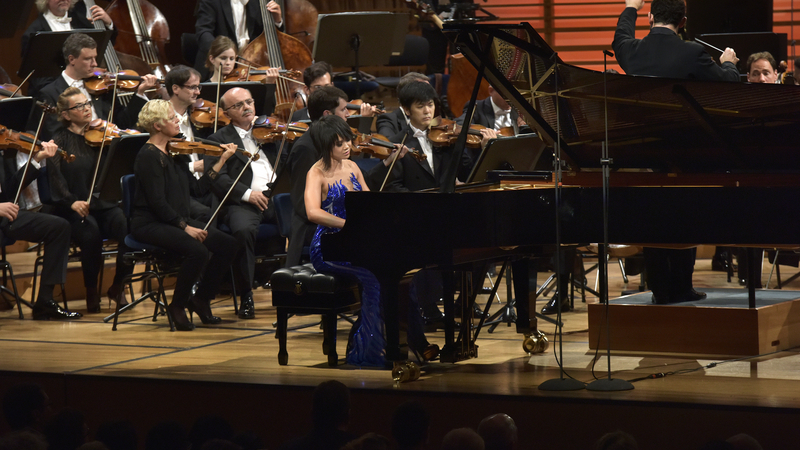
<point x="277" y="49"/>
<point x="143" y="30"/>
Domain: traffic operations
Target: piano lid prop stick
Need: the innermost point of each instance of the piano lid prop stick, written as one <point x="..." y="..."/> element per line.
<point x="709" y="45"/>
<point x="393" y="161"/>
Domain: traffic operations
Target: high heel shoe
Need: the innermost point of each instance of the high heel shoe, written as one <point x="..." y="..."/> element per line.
<point x="179" y="318"/>
<point x="203" y="311"/>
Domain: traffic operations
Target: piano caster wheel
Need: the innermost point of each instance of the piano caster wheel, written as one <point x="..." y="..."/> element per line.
<point x="535" y="343"/>
<point x="403" y="372"/>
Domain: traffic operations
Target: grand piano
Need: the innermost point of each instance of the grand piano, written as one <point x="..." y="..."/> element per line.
<point x="691" y="162"/>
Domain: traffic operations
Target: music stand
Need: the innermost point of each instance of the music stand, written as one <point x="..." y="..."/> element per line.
<point x="14" y="112"/>
<point x="118" y="162"/>
<point x="257" y="90"/>
<point x="48" y="59"/>
<point x="355" y="39"/>
<point x="519" y="153"/>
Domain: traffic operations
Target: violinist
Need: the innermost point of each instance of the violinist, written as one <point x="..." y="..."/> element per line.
<point x="69" y="187"/>
<point x="80" y="53"/>
<point x="17" y="223"/>
<point x="324" y="101"/>
<point x="394" y="122"/>
<point x="318" y="75"/>
<point x="247" y="206"/>
<point x="161" y="217"/>
<point x="215" y="18"/>
<point x="223" y="53"/>
<point x="417" y="101"/>
<point x="62" y="15"/>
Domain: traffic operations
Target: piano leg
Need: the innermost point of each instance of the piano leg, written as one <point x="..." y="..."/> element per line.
<point x="393" y="310"/>
<point x="524" y="274"/>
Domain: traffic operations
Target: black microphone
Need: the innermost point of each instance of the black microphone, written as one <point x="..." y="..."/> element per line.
<point x="608" y="53"/>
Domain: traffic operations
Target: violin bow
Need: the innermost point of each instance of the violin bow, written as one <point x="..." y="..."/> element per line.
<point x="23" y="82"/>
<point x="227" y="194"/>
<point x="30" y="157"/>
<point x="274" y="176"/>
<point x="219" y="82"/>
<point x="103" y="142"/>
<point x="391" y="167"/>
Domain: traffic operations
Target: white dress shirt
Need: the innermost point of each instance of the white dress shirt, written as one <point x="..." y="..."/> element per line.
<point x="502" y="117"/>
<point x="188" y="133"/>
<point x="262" y="169"/>
<point x="425" y="143"/>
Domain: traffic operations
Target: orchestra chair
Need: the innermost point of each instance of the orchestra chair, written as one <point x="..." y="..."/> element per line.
<point x="415" y="53"/>
<point x="365" y="164"/>
<point x="158" y="265"/>
<point x="8" y="273"/>
<point x="617" y="251"/>
<point x="786" y="257"/>
<point x="301" y="290"/>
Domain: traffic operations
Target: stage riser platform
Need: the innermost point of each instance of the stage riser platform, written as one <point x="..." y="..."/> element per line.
<point x="279" y="412"/>
<point x="695" y="329"/>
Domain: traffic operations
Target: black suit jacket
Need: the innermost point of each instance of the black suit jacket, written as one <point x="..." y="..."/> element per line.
<point x="124" y="116"/>
<point x="300" y="114"/>
<point x="412" y="175"/>
<point x="234" y="166"/>
<point x="391" y="123"/>
<point x="663" y="54"/>
<point x="484" y="114"/>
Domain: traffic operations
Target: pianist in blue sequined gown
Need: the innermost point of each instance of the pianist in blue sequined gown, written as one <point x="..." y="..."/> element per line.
<point x="332" y="176"/>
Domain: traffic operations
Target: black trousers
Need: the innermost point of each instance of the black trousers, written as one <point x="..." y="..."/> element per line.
<point x="669" y="271"/>
<point x="88" y="234"/>
<point x="302" y="235"/>
<point x="53" y="231"/>
<point x="215" y="254"/>
<point x="243" y="220"/>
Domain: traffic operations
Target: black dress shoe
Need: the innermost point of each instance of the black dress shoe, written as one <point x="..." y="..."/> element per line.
<point x="49" y="309"/>
<point x="247" y="310"/>
<point x="179" y="318"/>
<point x="203" y="311"/>
<point x="555" y="303"/>
<point x="660" y="299"/>
<point x="693" y="296"/>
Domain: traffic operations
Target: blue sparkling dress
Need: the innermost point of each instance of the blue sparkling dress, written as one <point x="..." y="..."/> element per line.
<point x="367" y="342"/>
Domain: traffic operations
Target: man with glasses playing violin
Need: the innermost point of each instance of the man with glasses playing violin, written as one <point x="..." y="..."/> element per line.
<point x="80" y="56"/>
<point x="247" y="205"/>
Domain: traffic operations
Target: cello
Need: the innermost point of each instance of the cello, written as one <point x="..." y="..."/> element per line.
<point x="277" y="49"/>
<point x="143" y="30"/>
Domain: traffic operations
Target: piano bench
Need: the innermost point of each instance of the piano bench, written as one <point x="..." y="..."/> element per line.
<point x="301" y="290"/>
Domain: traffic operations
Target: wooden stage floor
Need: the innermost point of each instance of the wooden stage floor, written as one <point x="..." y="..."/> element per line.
<point x="145" y="373"/>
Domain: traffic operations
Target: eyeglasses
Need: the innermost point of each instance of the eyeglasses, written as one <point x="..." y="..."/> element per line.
<point x="239" y="105"/>
<point x="195" y="87"/>
<point x="86" y="104"/>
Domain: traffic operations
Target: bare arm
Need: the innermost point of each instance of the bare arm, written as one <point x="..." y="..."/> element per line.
<point x="313" y="201"/>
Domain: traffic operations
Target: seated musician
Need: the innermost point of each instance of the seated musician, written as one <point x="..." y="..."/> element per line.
<point x="324" y="101"/>
<point x="326" y="184"/>
<point x="494" y="112"/>
<point x="410" y="174"/>
<point x="320" y="74"/>
<point x="762" y="68"/>
<point x="161" y="217"/>
<point x="223" y="53"/>
<point x="70" y="184"/>
<point x="20" y="224"/>
<point x="214" y="19"/>
<point x="80" y="54"/>
<point x="394" y="122"/>
<point x="62" y="15"/>
<point x="248" y="204"/>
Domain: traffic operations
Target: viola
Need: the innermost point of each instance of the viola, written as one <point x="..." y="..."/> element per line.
<point x="203" y="114"/>
<point x="96" y="132"/>
<point x="179" y="146"/>
<point x="22" y="142"/>
<point x="102" y="81"/>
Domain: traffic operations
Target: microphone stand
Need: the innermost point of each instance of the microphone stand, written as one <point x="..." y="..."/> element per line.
<point x="562" y="383"/>
<point x="606" y="384"/>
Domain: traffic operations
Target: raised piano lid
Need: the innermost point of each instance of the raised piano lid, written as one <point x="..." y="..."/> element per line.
<point x="658" y="123"/>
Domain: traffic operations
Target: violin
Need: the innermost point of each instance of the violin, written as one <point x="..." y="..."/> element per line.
<point x="446" y="132"/>
<point x="9" y="90"/>
<point x="355" y="105"/>
<point x="96" y="132"/>
<point x="267" y="129"/>
<point x="249" y="73"/>
<point x="102" y="81"/>
<point x="22" y="142"/>
<point x="295" y="129"/>
<point x="379" y="146"/>
<point x="179" y="146"/>
<point x="203" y="113"/>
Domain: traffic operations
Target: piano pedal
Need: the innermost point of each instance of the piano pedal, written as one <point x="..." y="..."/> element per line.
<point x="405" y="371"/>
<point x="535" y="342"/>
